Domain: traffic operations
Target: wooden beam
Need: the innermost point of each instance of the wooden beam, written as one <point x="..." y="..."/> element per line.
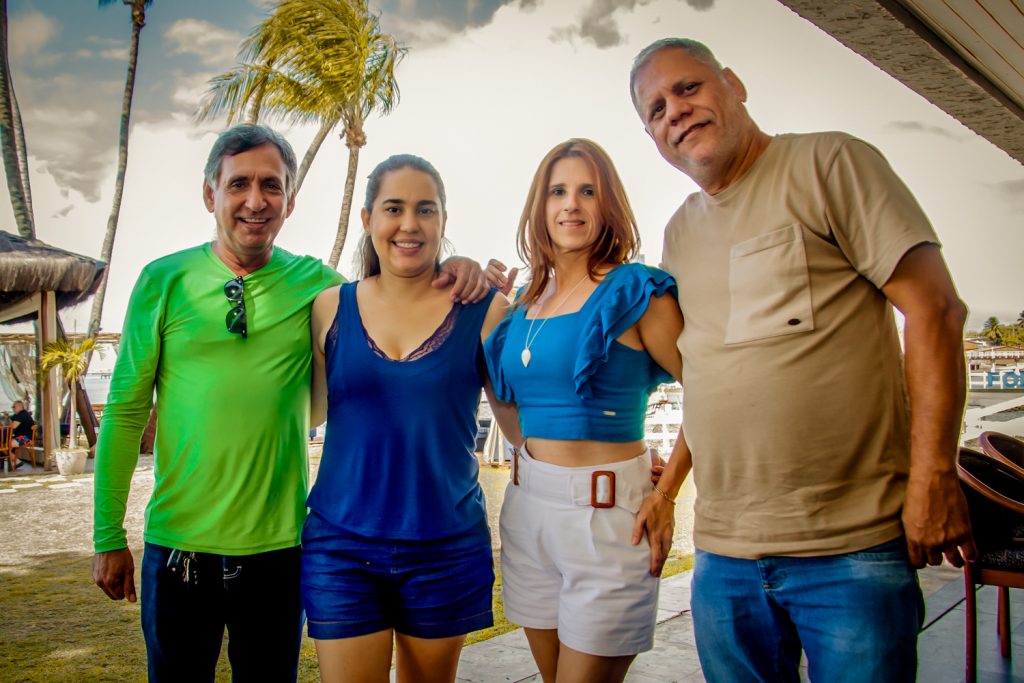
<point x="50" y="409"/>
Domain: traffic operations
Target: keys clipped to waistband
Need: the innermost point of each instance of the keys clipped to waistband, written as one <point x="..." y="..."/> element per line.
<point x="183" y="564"/>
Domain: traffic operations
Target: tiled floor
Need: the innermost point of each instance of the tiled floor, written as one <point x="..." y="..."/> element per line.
<point x="940" y="647"/>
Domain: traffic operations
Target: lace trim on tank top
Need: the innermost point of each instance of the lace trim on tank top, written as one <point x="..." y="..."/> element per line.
<point x="432" y="343"/>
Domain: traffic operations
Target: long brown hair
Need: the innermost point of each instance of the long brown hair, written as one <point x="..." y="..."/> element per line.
<point x="619" y="239"/>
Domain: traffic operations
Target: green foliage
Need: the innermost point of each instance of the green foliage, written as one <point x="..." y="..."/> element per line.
<point x="69" y="358"/>
<point x="311" y="61"/>
<point x="1010" y="334"/>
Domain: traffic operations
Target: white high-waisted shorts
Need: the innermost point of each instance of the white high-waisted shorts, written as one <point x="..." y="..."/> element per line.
<point x="568" y="565"/>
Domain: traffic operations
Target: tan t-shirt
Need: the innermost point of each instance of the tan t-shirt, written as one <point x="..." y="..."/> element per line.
<point x="794" y="394"/>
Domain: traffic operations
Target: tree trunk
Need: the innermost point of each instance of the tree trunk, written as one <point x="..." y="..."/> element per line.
<point x="138" y="21"/>
<point x="19" y="143"/>
<point x="256" y="103"/>
<point x="311" y="152"/>
<point x="16" y="184"/>
<point x="72" y="422"/>
<point x="346" y="206"/>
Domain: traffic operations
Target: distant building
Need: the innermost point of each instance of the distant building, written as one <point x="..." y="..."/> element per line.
<point x="994" y="367"/>
<point x="664" y="415"/>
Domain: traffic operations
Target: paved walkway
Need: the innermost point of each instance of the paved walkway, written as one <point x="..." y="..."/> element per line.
<point x="674" y="658"/>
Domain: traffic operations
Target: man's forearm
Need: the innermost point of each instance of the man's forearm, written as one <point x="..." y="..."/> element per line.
<point x="936" y="383"/>
<point x="117" y="454"/>
<point x="679" y="465"/>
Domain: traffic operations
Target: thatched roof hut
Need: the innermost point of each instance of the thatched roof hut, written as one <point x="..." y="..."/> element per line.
<point x="28" y="267"/>
<point x="35" y="281"/>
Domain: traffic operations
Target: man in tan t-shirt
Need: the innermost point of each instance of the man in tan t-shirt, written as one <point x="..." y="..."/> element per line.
<point x="823" y="456"/>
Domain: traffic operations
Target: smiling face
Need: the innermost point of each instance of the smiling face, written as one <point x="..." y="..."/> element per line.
<point x="249" y="202"/>
<point x="695" y="115"/>
<point x="572" y="212"/>
<point x="406" y="222"/>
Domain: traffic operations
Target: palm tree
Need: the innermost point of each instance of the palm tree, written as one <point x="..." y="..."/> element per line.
<point x="138" y="8"/>
<point x="71" y="360"/>
<point x="314" y="60"/>
<point x="991" y="324"/>
<point x="12" y="141"/>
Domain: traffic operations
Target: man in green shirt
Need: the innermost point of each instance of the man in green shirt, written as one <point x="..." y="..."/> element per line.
<point x="221" y="333"/>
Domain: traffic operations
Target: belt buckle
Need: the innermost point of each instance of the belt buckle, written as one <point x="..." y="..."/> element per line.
<point x="515" y="466"/>
<point x="595" y="496"/>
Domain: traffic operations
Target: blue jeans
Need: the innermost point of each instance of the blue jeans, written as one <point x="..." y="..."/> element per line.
<point x="256" y="597"/>
<point x="856" y="616"/>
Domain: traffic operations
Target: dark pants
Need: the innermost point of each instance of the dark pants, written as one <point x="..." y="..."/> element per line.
<point x="256" y="597"/>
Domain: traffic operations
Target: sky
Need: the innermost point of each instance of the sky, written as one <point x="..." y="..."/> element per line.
<point x="487" y="88"/>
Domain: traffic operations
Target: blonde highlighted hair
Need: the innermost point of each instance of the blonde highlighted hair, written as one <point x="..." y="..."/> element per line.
<point x="618" y="240"/>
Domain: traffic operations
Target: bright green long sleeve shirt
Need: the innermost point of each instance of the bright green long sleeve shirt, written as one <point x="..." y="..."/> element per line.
<point x="232" y="414"/>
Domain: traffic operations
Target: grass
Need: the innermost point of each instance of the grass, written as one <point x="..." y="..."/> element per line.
<point x="677" y="564"/>
<point x="56" y="625"/>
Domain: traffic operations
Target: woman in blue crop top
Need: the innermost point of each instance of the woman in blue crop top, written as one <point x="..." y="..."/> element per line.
<point x="396" y="548"/>
<point x="589" y="338"/>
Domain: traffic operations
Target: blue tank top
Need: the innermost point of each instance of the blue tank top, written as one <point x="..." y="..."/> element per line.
<point x="581" y="384"/>
<point x="398" y="460"/>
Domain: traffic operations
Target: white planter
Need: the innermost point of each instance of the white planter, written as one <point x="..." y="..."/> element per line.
<point x="71" y="461"/>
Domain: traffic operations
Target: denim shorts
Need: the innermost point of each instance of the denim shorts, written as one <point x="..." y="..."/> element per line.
<point x="354" y="585"/>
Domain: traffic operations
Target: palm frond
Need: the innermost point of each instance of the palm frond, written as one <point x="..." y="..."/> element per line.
<point x="70" y="359"/>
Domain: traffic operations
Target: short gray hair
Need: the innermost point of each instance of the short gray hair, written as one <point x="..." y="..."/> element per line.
<point x="694" y="48"/>
<point x="242" y="138"/>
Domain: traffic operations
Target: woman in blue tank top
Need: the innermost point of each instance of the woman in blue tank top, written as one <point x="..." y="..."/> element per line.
<point x="396" y="548"/>
<point x="590" y="337"/>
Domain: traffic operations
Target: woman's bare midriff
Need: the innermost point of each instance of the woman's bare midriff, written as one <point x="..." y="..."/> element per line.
<point x="582" y="453"/>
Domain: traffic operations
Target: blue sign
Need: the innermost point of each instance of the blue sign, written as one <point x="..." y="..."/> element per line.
<point x="1010" y="380"/>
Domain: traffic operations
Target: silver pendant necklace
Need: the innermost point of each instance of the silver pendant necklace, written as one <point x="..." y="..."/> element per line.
<point x="528" y="342"/>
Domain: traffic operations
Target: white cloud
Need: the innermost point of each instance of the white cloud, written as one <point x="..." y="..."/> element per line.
<point x="421" y="34"/>
<point x="189" y="89"/>
<point x="597" y="23"/>
<point x="107" y="42"/>
<point x="28" y="33"/>
<point x="118" y="54"/>
<point x="213" y="45"/>
<point x="71" y="130"/>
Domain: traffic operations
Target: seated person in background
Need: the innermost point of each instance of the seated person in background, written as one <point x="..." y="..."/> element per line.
<point x="22" y="435"/>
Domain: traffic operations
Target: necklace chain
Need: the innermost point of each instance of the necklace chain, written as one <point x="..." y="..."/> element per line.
<point x="528" y="342"/>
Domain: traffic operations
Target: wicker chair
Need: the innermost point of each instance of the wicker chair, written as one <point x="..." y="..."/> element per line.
<point x="995" y="497"/>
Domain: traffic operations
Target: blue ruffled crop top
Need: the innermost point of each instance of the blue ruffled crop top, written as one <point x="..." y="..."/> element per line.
<point x="581" y="384"/>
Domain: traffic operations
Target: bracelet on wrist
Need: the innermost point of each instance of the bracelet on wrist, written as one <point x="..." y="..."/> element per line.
<point x="663" y="494"/>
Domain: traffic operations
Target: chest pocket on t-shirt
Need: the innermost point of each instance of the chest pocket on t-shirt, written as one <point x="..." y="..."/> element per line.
<point x="769" y="287"/>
